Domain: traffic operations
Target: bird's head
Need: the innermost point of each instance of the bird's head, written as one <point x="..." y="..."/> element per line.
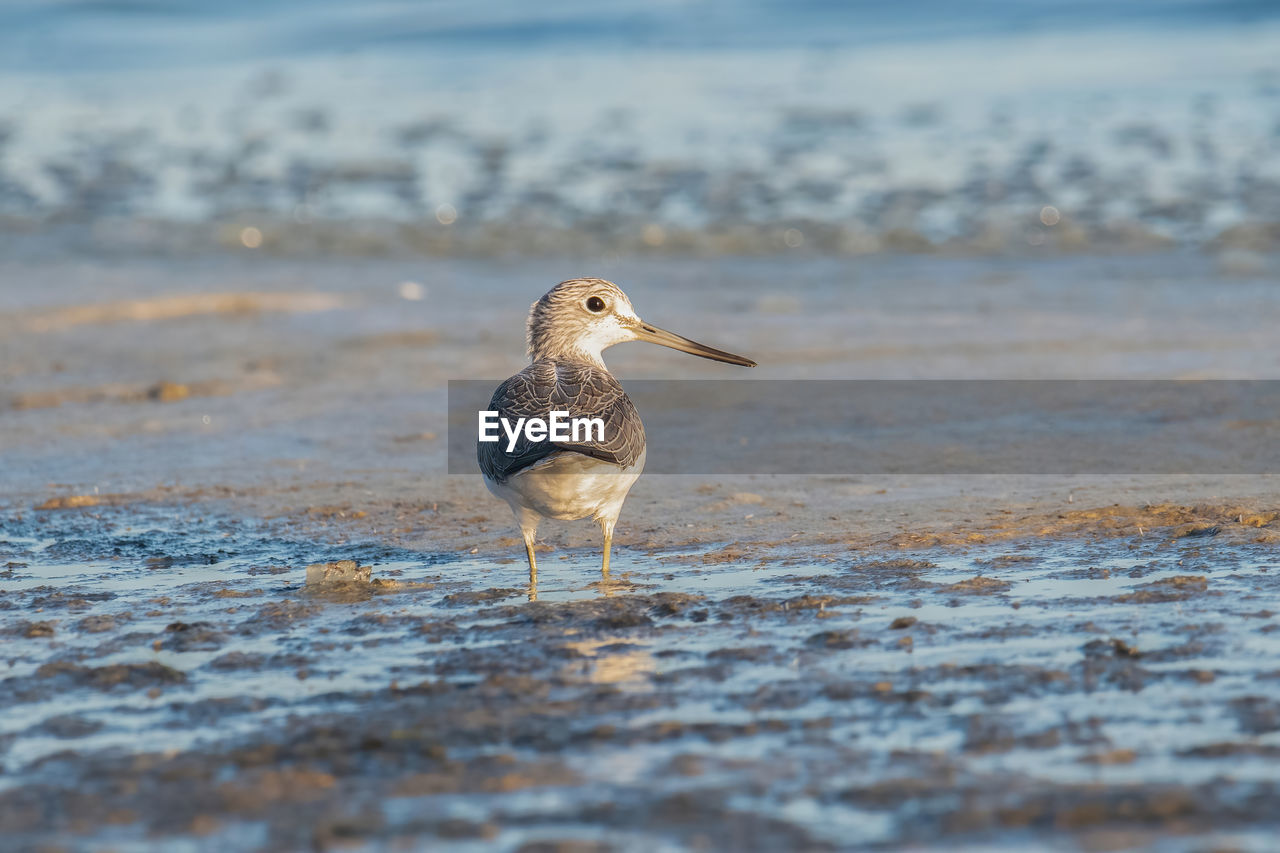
<point x="582" y="317"/>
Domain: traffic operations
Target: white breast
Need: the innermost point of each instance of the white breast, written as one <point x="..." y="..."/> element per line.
<point x="569" y="486"/>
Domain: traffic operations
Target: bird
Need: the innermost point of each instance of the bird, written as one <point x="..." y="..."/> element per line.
<point x="568" y="330"/>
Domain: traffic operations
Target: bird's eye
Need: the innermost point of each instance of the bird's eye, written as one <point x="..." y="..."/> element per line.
<point x="595" y="304"/>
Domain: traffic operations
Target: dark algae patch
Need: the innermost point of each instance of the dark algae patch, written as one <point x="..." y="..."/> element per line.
<point x="183" y="678"/>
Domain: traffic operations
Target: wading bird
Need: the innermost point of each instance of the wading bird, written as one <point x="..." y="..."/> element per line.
<point x="568" y="330"/>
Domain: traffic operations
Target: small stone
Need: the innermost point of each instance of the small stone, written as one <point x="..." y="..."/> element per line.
<point x="341" y="572"/>
<point x="96" y="624"/>
<point x="1115" y="756"/>
<point x="69" y="502"/>
<point x="168" y="392"/>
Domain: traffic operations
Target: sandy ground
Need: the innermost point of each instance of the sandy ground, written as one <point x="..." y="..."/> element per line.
<point x="776" y="661"/>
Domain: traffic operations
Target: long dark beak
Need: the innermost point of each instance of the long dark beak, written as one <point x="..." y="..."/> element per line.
<point x="662" y="337"/>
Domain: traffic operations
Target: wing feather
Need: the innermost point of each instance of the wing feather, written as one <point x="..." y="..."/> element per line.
<point x="582" y="390"/>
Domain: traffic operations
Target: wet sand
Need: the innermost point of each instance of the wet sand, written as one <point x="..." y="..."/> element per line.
<point x="775" y="662"/>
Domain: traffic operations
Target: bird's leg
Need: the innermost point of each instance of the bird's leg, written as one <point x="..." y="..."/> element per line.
<point x="533" y="561"/>
<point x="606" y="527"/>
<point x="533" y="568"/>
<point x="529" y="531"/>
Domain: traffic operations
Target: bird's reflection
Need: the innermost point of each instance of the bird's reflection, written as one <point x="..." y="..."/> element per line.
<point x="606" y="586"/>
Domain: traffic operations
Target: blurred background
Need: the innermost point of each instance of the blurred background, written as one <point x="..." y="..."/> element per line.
<point x="707" y="126"/>
<point x="243" y="239"/>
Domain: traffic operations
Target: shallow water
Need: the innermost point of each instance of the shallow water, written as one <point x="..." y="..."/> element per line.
<point x="804" y="698"/>
<point x="75" y="37"/>
<point x="711" y="128"/>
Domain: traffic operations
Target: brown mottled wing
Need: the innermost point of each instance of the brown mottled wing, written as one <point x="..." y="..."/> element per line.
<point x="582" y="390"/>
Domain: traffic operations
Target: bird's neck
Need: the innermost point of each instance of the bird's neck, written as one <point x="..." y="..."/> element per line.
<point x="546" y="345"/>
<point x="579" y="355"/>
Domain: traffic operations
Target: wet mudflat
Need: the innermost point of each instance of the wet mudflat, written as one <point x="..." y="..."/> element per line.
<point x="784" y="662"/>
<point x="171" y="681"/>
